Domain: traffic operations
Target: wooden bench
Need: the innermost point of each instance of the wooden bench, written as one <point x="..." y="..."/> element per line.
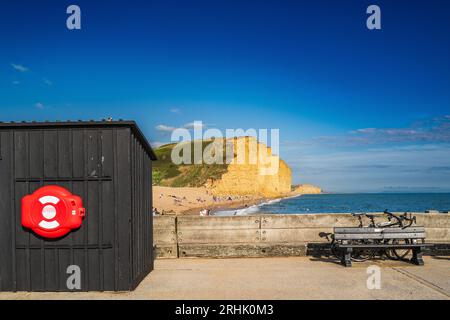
<point x="346" y="240"/>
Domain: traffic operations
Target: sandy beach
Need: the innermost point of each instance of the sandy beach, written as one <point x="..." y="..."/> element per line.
<point x="190" y="200"/>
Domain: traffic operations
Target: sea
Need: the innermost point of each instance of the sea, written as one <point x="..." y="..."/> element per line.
<point x="348" y="203"/>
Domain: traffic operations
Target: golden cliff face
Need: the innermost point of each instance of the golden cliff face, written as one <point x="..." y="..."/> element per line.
<point x="254" y="171"/>
<point x="306" y="189"/>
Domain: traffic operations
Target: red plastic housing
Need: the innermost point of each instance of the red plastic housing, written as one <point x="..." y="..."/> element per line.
<point x="52" y="212"/>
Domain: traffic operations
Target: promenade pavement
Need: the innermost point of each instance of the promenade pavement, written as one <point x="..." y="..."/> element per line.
<point x="277" y="278"/>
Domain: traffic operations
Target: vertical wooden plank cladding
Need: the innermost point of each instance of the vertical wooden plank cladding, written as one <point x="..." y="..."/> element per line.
<point x="142" y="219"/>
<point x="107" y="153"/>
<point x="20" y="154"/>
<point x="6" y="212"/>
<point x="36" y="153"/>
<point x="136" y="226"/>
<point x="34" y="239"/>
<point x="107" y="211"/>
<point x="51" y="260"/>
<point x="136" y="207"/>
<point x="135" y="210"/>
<point x="145" y="212"/>
<point x="78" y="236"/>
<point x="21" y="234"/>
<point x="37" y="270"/>
<point x="66" y="240"/>
<point x="92" y="206"/>
<point x="134" y="232"/>
<point x="50" y="145"/>
<point x="92" y="161"/>
<point x="78" y="157"/>
<point x="123" y="185"/>
<point x="93" y="271"/>
<point x="150" y="215"/>
<point x="79" y="259"/>
<point x="64" y="260"/>
<point x="64" y="154"/>
<point x="108" y="267"/>
<point x="118" y="211"/>
<point x="141" y="210"/>
<point x="23" y="280"/>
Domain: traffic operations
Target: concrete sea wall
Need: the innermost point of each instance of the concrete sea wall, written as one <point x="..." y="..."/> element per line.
<point x="265" y="235"/>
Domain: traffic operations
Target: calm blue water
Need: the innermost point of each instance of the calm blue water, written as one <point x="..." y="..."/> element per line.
<point x="334" y="203"/>
<point x="398" y="202"/>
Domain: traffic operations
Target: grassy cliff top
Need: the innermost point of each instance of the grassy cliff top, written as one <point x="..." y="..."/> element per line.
<point x="166" y="173"/>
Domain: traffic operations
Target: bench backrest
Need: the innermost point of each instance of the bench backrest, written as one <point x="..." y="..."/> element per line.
<point x="354" y="233"/>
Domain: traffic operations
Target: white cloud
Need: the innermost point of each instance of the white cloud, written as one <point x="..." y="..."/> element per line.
<point x="419" y="166"/>
<point x="175" y="110"/>
<point x="364" y="130"/>
<point x="164" y="128"/>
<point x="190" y="125"/>
<point x="375" y="159"/>
<point x="47" y="82"/>
<point x="16" y="82"/>
<point x="39" y="105"/>
<point x="19" y="67"/>
<point x="434" y="130"/>
<point x="195" y="125"/>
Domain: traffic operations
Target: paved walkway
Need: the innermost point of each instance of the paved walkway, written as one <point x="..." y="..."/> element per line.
<point x="277" y="278"/>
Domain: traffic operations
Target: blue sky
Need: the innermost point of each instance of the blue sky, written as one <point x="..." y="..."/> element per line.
<point x="358" y="110"/>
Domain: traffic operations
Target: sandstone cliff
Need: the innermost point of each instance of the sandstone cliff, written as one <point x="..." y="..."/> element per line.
<point x="254" y="171"/>
<point x="306" y="189"/>
<point x="249" y="169"/>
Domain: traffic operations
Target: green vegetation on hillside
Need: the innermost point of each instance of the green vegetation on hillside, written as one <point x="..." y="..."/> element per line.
<point x="166" y="173"/>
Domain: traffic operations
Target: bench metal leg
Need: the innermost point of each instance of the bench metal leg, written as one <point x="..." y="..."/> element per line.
<point x="346" y="257"/>
<point x="417" y="256"/>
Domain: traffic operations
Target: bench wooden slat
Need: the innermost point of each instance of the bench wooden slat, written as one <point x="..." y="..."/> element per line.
<point x="375" y="246"/>
<point x="378" y="230"/>
<point x="345" y="241"/>
<point x="357" y="236"/>
<point x="405" y="230"/>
